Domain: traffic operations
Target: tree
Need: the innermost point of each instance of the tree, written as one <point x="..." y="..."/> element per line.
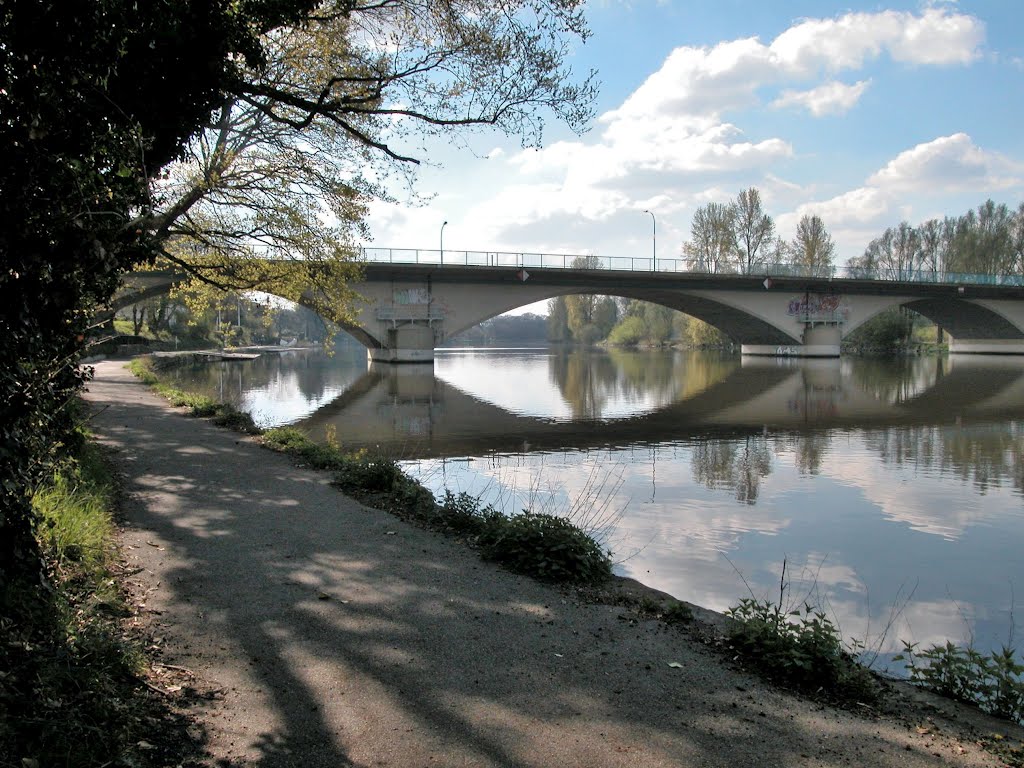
<point x="983" y="241"/>
<point x="558" y="321"/>
<point x="585" y="309"/>
<point x="813" y="247"/>
<point x="644" y="321"/>
<point x="892" y="256"/>
<point x="279" y="173"/>
<point x="754" y="230"/>
<point x="712" y="244"/>
<point x="1017" y="241"/>
<point x="932" y="246"/>
<point x="94" y="109"/>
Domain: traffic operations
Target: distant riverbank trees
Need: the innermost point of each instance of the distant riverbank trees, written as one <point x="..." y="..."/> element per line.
<point x="988" y="240"/>
<point x="622" y="322"/>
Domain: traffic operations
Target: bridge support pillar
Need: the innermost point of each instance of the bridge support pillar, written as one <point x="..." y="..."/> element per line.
<point x="406" y="344"/>
<point x="986" y="346"/>
<point x="818" y="341"/>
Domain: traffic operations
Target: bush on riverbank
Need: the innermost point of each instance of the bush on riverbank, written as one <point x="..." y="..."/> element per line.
<point x="799" y="648"/>
<point x="993" y="682"/>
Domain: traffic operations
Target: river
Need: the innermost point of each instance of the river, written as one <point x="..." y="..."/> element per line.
<point x="891" y="492"/>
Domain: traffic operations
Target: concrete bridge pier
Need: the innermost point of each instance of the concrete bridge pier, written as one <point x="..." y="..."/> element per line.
<point x="821" y="340"/>
<point x="406" y="344"/>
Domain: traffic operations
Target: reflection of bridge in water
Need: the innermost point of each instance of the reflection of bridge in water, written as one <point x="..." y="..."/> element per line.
<point x="408" y="411"/>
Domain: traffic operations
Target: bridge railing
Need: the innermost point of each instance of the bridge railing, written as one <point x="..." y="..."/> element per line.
<point x="527" y="260"/>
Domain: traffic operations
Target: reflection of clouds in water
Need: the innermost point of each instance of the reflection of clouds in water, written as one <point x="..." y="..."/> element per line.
<point x="922" y="498"/>
<point x="891" y="507"/>
<point x="516" y="383"/>
<point x="700" y="544"/>
<point x="521" y="383"/>
<point x="284" y="403"/>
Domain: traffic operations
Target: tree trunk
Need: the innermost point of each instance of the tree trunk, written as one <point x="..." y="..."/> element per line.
<point x="138" y="316"/>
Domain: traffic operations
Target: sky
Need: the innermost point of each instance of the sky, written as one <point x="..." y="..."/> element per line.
<point x="863" y="113"/>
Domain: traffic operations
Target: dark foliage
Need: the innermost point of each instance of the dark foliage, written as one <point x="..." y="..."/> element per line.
<point x="545" y="546"/>
<point x="90" y="110"/>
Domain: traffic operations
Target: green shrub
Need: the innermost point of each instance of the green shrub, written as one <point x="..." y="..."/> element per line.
<point x="546" y="547"/>
<point x="993" y="682"/>
<point x="370" y="472"/>
<point x="240" y="421"/>
<point x="629" y="332"/>
<point x="463" y="513"/>
<point x="295" y="442"/>
<point x="285" y="438"/>
<point x="800" y="648"/>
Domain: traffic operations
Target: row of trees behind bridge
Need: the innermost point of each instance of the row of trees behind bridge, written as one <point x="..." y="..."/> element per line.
<point x="739" y="237"/>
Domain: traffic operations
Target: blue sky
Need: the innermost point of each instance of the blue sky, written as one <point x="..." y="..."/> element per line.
<point x="863" y="113"/>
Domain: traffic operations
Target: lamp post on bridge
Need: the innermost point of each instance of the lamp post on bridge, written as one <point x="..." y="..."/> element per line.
<point x="442" y="241"/>
<point x="654" y="242"/>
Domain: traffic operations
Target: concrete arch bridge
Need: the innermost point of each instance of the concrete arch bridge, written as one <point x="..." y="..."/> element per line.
<point x="416" y="300"/>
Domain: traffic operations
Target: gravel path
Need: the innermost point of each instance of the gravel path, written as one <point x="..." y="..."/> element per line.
<point x="334" y="634"/>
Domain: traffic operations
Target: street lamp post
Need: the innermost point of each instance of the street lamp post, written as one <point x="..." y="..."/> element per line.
<point x="654" y="242"/>
<point x="442" y="241"/>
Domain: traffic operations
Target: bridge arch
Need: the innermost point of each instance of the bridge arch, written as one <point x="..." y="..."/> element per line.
<point x="408" y="309"/>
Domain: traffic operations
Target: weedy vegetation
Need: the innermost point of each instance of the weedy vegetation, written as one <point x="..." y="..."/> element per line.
<point x="993" y="682"/>
<point x="799" y="647"/>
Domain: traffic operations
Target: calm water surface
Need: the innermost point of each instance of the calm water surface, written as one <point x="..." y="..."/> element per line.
<point x="892" y="491"/>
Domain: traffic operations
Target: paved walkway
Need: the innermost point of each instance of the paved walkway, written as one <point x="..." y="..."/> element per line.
<point x="339" y="635"/>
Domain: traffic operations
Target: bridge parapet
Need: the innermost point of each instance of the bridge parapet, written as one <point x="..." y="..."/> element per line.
<point x="590" y="261"/>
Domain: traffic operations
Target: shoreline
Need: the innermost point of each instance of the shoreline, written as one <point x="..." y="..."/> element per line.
<point x="321" y="628"/>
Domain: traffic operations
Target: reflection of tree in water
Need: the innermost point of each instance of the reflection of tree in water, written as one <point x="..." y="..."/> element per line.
<point x="735" y="464"/>
<point x="986" y="455"/>
<point x="896" y="380"/>
<point x="585" y="381"/>
<point x="311" y="373"/>
<point x="589" y="380"/>
<point x="643" y="374"/>
<point x="808" y="450"/>
<point x="697" y="373"/>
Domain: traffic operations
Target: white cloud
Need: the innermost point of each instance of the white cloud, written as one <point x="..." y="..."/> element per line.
<point x="832" y="98"/>
<point x="947" y="163"/>
<point x="864" y="205"/>
<point x="937" y="36"/>
<point x="698" y="84"/>
<point x="670" y="140"/>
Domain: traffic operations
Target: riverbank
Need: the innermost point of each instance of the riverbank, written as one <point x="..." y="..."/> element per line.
<point x="323" y="632"/>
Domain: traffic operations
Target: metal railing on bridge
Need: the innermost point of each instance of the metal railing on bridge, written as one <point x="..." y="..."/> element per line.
<point x="526" y="260"/>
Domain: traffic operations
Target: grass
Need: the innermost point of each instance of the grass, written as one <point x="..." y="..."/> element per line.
<point x="71" y="686"/>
